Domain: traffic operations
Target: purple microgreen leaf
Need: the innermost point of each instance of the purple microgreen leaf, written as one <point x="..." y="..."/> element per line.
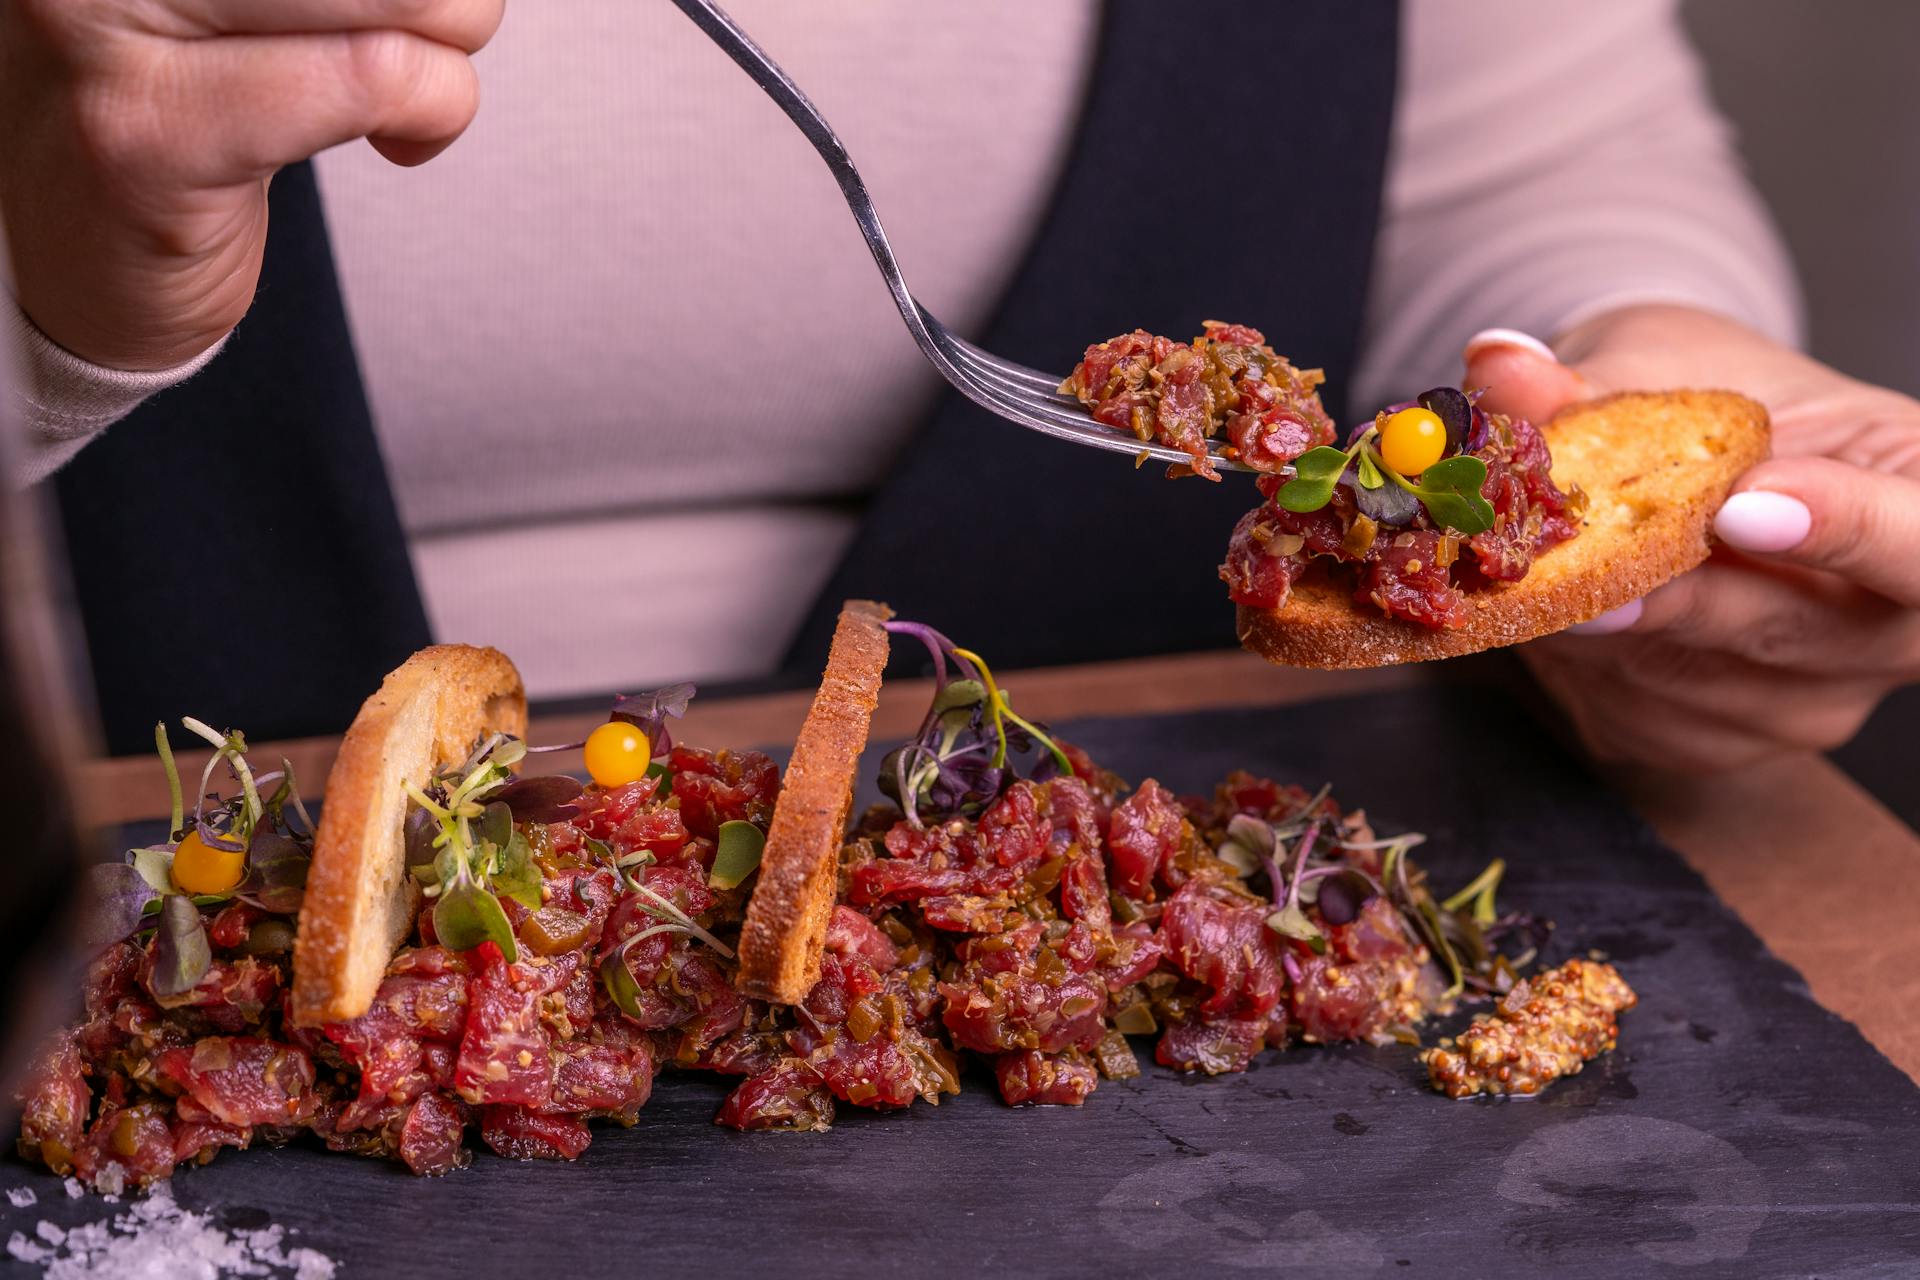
<point x="1388" y="505"/>
<point x="216" y="837"/>
<point x="276" y="873"/>
<point x="419" y="831"/>
<point x="543" y="798"/>
<point x="1342" y="895"/>
<point x="1455" y="411"/>
<point x="651" y="711"/>
<point x="181" y="952"/>
<point x="117" y="897"/>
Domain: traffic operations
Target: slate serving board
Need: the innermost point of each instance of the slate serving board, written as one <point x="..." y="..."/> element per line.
<point x="1739" y="1130"/>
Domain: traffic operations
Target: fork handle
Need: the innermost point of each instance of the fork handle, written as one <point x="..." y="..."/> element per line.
<point x="778" y="85"/>
<point x="765" y="72"/>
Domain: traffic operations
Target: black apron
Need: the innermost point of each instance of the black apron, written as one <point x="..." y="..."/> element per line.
<point x="1229" y="168"/>
<point x="234" y="544"/>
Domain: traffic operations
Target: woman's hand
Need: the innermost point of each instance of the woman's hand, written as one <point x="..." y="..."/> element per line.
<point x="1808" y="612"/>
<point x="140" y="136"/>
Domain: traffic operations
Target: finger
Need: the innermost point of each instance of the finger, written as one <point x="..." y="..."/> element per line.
<point x="1823" y="514"/>
<point x="1521" y="375"/>
<point x="255" y="103"/>
<point x="464" y="24"/>
<point x="1785" y="621"/>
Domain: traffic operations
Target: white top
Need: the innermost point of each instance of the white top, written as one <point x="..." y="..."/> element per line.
<point x="615" y="460"/>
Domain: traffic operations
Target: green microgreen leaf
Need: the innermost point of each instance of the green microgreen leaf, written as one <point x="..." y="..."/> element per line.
<point x="1370" y="477"/>
<point x="1292" y="922"/>
<point x="1314" y="474"/>
<point x="959" y="695"/>
<point x="181" y="952"/>
<point x="516" y="875"/>
<point x="1463" y="513"/>
<point x="738" y="854"/>
<point x="176" y="806"/>
<point x="1249" y="842"/>
<point x="1429" y="916"/>
<point x="1479" y="891"/>
<point x="1450" y="491"/>
<point x="155" y="866"/>
<point x="657" y="769"/>
<point x="467" y="915"/>
<point x="494" y="826"/>
<point x="619" y="982"/>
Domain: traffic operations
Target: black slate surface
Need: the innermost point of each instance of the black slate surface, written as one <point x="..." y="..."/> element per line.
<point x="1740" y="1130"/>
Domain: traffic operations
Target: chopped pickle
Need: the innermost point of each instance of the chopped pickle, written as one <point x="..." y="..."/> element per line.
<point x="1136" y="1020"/>
<point x="1359" y="539"/>
<point x="1114" y="1057"/>
<point x="863" y="1020"/>
<point x="553" y="930"/>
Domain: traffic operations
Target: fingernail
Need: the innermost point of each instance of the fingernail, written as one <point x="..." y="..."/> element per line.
<point x="1508" y="338"/>
<point x="1757" y="520"/>
<point x="1613" y="620"/>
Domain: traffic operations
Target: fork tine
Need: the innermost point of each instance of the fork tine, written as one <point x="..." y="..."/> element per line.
<point x="987" y="362"/>
<point x="1027" y="397"/>
<point x="1072" y="424"/>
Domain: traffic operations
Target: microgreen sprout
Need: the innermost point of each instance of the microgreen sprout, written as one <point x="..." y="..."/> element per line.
<point x="960" y="760"/>
<point x="1479" y="891"/>
<point x="140" y="897"/>
<point x="1290" y="919"/>
<point x="617" y="977"/>
<point x="176" y="806"/>
<point x="230" y="747"/>
<point x="1449" y="489"/>
<point x="478" y="856"/>
<point x="1462" y="933"/>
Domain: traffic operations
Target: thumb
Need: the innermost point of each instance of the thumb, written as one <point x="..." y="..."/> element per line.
<point x="1522" y="376"/>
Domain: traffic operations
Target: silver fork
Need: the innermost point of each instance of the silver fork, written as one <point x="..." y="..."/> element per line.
<point x="1013" y="391"/>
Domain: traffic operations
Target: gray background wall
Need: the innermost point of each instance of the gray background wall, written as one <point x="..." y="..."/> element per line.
<point x="1823" y="92"/>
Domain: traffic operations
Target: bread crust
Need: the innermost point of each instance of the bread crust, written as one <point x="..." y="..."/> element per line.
<point x="360" y="903"/>
<point x="1655" y="465"/>
<point x="786" y="926"/>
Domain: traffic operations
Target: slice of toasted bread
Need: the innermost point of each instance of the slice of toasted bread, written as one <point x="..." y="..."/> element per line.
<point x="786" y="926"/>
<point x="1655" y="465"/>
<point x="360" y="903"/>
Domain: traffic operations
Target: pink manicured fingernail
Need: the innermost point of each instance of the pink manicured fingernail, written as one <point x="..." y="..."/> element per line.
<point x="1761" y="521"/>
<point x="1613" y="620"/>
<point x="1508" y="338"/>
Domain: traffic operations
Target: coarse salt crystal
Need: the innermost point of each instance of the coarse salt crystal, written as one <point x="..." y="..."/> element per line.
<point x="155" y="1237"/>
<point x="22" y="1197"/>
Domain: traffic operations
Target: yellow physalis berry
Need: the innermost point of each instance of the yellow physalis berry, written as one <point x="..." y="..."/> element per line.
<point x="1413" y="440"/>
<point x="618" y="753"/>
<point x="199" y="867"/>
